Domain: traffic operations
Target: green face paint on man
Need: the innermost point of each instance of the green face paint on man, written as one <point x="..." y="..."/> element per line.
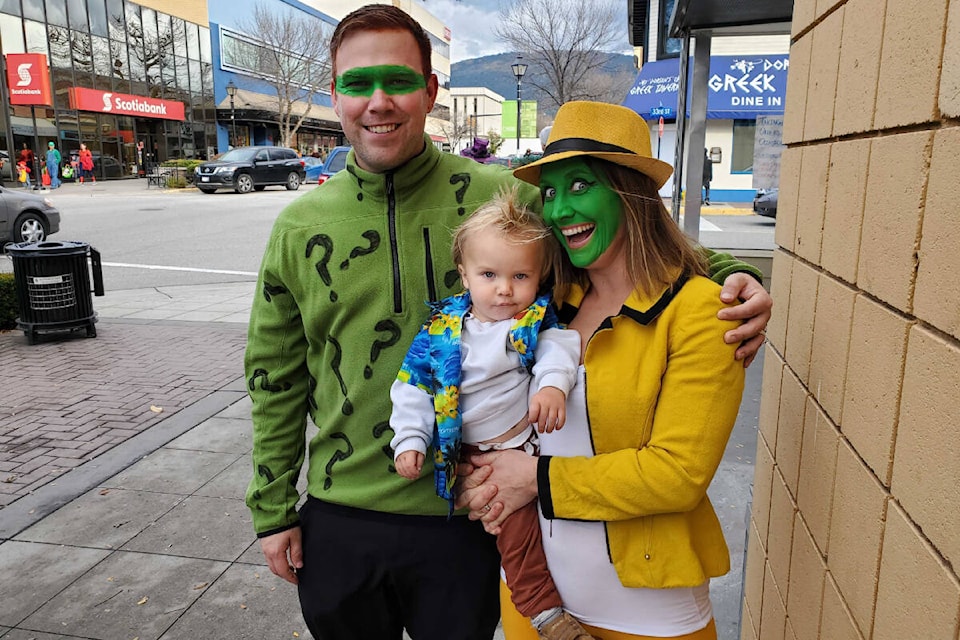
<point x="391" y="79"/>
<point x="582" y="209"/>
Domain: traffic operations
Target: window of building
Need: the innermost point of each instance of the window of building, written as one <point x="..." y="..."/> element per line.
<point x="77" y="12"/>
<point x="443" y="79"/>
<point x="741" y="156"/>
<point x="33" y="11"/>
<point x="666" y="47"/>
<point x="115" y="24"/>
<point x="439" y="45"/>
<point x="11" y="34"/>
<point x="242" y="53"/>
<point x="98" y="17"/>
<point x="56" y="12"/>
<point x="10" y="6"/>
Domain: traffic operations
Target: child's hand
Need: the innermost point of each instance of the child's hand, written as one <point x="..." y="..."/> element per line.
<point x="409" y="464"/>
<point x="548" y="409"/>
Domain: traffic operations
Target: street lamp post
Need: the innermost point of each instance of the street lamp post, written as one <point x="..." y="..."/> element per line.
<point x="518" y="70"/>
<point x="232" y="92"/>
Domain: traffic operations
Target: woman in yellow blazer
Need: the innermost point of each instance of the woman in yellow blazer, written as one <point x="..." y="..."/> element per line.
<point x="630" y="535"/>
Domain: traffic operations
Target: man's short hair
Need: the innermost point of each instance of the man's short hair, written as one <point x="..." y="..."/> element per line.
<point x="381" y="17"/>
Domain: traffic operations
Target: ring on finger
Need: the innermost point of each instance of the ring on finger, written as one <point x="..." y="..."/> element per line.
<point x="486" y="508"/>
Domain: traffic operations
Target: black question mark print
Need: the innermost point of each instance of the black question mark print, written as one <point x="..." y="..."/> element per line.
<point x="347" y="407"/>
<point x="324" y="241"/>
<point x="311" y="400"/>
<point x="465" y="179"/>
<point x="270" y="290"/>
<point x="378" y="430"/>
<point x="379" y="345"/>
<point x="450" y="278"/>
<point x="264" y="471"/>
<point x="338" y="456"/>
<point x="265" y="383"/>
<point x="373" y="237"/>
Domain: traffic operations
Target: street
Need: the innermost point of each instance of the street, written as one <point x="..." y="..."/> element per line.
<point x="154" y="237"/>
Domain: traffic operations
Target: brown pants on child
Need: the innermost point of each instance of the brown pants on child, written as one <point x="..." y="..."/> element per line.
<point x="524" y="563"/>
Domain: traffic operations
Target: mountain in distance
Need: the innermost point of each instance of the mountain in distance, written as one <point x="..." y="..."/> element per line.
<point x="494" y="73"/>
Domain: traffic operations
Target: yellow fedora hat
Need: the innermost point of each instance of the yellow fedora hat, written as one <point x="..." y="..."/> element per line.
<point x="606" y="131"/>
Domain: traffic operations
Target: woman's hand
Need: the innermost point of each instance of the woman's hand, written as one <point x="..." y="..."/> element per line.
<point x="496" y="485"/>
<point x="754" y="311"/>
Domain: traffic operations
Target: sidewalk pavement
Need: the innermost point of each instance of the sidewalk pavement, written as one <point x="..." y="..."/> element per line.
<point x="123" y="464"/>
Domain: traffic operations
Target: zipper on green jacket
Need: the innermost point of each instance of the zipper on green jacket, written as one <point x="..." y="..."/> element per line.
<point x="394" y="249"/>
<point x="428" y="266"/>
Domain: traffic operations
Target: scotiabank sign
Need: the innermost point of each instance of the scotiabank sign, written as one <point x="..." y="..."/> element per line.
<point x="124" y="104"/>
<point x="28" y="78"/>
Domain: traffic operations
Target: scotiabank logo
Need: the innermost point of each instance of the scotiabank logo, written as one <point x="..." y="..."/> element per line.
<point x="23" y="71"/>
<point x="28" y="77"/>
<point x="84" y="99"/>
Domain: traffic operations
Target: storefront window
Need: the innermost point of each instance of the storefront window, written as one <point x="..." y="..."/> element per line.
<point x="98" y="17"/>
<point x="102" y="68"/>
<point x="57" y="12"/>
<point x="77" y="11"/>
<point x="81" y="51"/>
<point x="121" y="70"/>
<point x="196" y="81"/>
<point x="741" y="160"/>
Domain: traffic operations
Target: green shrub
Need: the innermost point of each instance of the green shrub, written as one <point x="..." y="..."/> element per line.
<point x="176" y="182"/>
<point x="8" y="302"/>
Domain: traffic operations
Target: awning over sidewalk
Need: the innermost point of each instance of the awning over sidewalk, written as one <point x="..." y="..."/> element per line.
<point x="739" y="87"/>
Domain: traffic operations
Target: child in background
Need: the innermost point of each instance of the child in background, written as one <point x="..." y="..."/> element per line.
<point x="468" y="375"/>
<point x="23" y="174"/>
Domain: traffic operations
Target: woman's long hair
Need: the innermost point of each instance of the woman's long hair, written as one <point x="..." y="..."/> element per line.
<point x="655" y="246"/>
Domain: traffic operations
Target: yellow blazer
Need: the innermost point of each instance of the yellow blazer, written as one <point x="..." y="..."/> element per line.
<point x="663" y="391"/>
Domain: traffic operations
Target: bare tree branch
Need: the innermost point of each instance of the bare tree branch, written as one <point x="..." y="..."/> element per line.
<point x="566" y="42"/>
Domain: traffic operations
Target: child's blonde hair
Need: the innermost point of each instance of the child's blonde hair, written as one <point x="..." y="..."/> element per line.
<point x="517" y="225"/>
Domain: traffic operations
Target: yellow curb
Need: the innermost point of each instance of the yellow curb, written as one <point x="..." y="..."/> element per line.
<point x="726" y="211"/>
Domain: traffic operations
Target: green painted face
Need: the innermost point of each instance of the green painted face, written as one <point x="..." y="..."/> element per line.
<point x="582" y="209"/>
<point x="392" y="79"/>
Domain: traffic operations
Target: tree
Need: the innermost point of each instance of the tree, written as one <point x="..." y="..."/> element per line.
<point x="495" y="141"/>
<point x="456" y="131"/>
<point x="291" y="52"/>
<point x="566" y="42"/>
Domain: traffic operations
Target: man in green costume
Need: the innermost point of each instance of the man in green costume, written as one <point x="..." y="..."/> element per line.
<point x="341" y="294"/>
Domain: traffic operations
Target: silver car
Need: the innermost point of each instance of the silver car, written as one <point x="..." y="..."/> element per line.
<point x="25" y="217"/>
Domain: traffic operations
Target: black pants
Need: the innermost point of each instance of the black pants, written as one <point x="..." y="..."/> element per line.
<point x="369" y="575"/>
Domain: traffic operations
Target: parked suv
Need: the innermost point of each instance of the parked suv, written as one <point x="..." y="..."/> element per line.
<point x="247" y="169"/>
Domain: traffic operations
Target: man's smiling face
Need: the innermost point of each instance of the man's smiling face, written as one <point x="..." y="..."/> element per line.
<point x="382" y="98"/>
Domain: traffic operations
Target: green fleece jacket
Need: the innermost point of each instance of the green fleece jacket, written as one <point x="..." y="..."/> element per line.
<point x="341" y="294"/>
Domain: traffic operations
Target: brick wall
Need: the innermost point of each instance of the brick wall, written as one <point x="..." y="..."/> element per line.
<point x="855" y="528"/>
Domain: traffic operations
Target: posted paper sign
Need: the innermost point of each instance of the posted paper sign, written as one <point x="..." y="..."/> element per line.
<point x="767" y="147"/>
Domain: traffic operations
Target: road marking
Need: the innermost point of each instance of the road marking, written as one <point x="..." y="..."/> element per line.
<point x="705" y="225"/>
<point x="159" y="267"/>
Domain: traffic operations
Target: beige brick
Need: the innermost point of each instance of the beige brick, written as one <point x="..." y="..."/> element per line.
<point x="910" y="63"/>
<point x="748" y="628"/>
<point x="762" y="486"/>
<point x="754" y="572"/>
<point x="918" y="596"/>
<point x="780" y="290"/>
<point x="937" y="298"/>
<point x="796" y="105"/>
<point x="803" y="303"/>
<point x="770" y="398"/>
<point x="793" y="401"/>
<point x="818" y="467"/>
<point x="790" y="164"/>
<point x="843" y="214"/>
<point x="774" y="616"/>
<point x="859" y="66"/>
<point x="836" y="621"/>
<point x="891" y="217"/>
<point x="856" y="528"/>
<point x="950" y="69"/>
<point x="806" y="583"/>
<point x="926" y="467"/>
<point x="823" y="6"/>
<point x="804" y="13"/>
<point x="831" y="342"/>
<point x="780" y="534"/>
<point x="812" y="201"/>
<point x="822" y="83"/>
<point x="789" y="633"/>
<point x="878" y="345"/>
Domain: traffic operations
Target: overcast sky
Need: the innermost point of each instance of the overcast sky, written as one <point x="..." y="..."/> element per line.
<point x="471" y="25"/>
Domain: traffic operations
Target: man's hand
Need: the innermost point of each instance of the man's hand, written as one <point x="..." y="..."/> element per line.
<point x="284" y="553"/>
<point x="548" y="409"/>
<point x="754" y="310"/>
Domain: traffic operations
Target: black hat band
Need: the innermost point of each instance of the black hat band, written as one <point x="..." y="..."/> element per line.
<point x="583" y="144"/>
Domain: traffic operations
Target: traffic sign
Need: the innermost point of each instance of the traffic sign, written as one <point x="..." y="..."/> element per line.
<point x="661" y="112"/>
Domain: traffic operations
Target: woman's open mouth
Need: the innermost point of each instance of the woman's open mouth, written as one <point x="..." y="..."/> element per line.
<point x="577" y="235"/>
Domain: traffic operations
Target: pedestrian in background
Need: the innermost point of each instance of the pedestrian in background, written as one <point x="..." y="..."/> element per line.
<point x="86" y="165"/>
<point x="707" y="176"/>
<point x="53" y="165"/>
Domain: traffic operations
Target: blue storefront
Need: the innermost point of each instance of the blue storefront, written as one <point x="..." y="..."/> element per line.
<point x="740" y="88"/>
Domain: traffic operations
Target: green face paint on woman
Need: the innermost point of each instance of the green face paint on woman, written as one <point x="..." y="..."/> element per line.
<point x="392" y="79"/>
<point x="583" y="210"/>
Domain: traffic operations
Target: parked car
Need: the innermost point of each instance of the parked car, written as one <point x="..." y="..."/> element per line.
<point x="765" y="202"/>
<point x="336" y="161"/>
<point x="25" y="217"/>
<point x="247" y="169"/>
<point x="312" y="166"/>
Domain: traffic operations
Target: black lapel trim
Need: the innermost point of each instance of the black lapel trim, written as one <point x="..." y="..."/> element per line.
<point x="648" y="316"/>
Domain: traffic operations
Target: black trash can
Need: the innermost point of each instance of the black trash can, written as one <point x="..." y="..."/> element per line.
<point x="52" y="281"/>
